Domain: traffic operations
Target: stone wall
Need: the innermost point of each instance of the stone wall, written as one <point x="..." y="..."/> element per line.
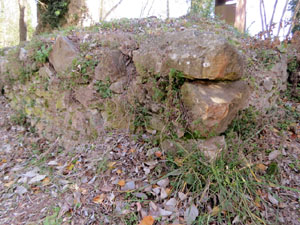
<point x="167" y="84"/>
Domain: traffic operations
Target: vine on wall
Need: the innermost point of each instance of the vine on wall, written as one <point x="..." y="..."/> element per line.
<point x="52" y="12"/>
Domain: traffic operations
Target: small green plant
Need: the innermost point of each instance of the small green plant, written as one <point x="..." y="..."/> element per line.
<point x="42" y="54"/>
<point x="24" y="75"/>
<point x="19" y="118"/>
<point x="226" y="184"/>
<point x="244" y="124"/>
<point x="53" y="219"/>
<point x="268" y="57"/>
<point x="103" y="88"/>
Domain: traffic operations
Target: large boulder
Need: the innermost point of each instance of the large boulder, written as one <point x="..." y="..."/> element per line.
<point x="212" y="106"/>
<point x="199" y="55"/>
<point x="63" y="54"/>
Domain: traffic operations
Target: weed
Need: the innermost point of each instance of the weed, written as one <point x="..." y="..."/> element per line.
<point x="53" y="219"/>
<point x="244" y="124"/>
<point x="19" y="118"/>
<point x="268" y="57"/>
<point x="24" y="75"/>
<point x="225" y="185"/>
<point x="103" y="88"/>
<point x="42" y="54"/>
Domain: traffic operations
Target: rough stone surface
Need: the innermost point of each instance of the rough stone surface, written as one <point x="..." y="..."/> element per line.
<point x="199" y="55"/>
<point x="85" y="95"/>
<point x="266" y="84"/>
<point x="212" y="106"/>
<point x="62" y="54"/>
<point x="211" y="147"/>
<point x="112" y="66"/>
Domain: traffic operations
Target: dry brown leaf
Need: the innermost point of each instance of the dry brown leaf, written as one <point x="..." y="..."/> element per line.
<point x="215" y="211"/>
<point x="99" y="199"/>
<point x="132" y="150"/>
<point x="9" y="184"/>
<point x="147" y="220"/>
<point x="261" y="167"/>
<point x="111" y="165"/>
<point x="121" y="183"/>
<point x="119" y="171"/>
<point x="168" y="191"/>
<point x="83" y="191"/>
<point x="70" y="166"/>
<point x="158" y="154"/>
<point x="46" y="181"/>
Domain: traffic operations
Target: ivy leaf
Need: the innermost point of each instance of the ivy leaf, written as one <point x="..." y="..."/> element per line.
<point x="57" y="12"/>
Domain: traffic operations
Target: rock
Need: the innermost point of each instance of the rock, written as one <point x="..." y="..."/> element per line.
<point x="85" y="95"/>
<point x="211" y="147"/>
<point x="22" y="54"/>
<point x="268" y="84"/>
<point x="112" y="66"/>
<point x="199" y="55"/>
<point x="212" y="106"/>
<point x="119" y="86"/>
<point x="45" y="72"/>
<point x="62" y="54"/>
<point x="156" y="123"/>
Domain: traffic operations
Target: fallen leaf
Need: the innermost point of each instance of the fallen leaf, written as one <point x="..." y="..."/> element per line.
<point x="147" y="220"/>
<point x="132" y="150"/>
<point x="163" y="183"/>
<point x="273" y="200"/>
<point x="46" y="181"/>
<point x="99" y="199"/>
<point x="261" y="167"/>
<point x="121" y="183"/>
<point x="191" y="214"/>
<point x="36" y="179"/>
<point x="119" y="171"/>
<point x="9" y="184"/>
<point x="70" y="167"/>
<point x="163" y="212"/>
<point x="21" y="190"/>
<point x="158" y="154"/>
<point x="111" y="165"/>
<point x="215" y="211"/>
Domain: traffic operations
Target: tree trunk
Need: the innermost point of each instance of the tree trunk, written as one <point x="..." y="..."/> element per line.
<point x="168" y="9"/>
<point x="22" y="23"/>
<point x="240" y="15"/>
<point x="294" y="18"/>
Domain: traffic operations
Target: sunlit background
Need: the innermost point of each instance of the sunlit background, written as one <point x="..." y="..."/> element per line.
<point x="9" y="14"/>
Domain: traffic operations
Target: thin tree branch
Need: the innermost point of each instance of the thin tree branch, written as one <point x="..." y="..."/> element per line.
<point x="262" y="19"/>
<point x="281" y="18"/>
<point x="271" y="21"/>
<point x="112" y="9"/>
<point x="265" y="19"/>
<point x="150" y="8"/>
<point x="294" y="18"/>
